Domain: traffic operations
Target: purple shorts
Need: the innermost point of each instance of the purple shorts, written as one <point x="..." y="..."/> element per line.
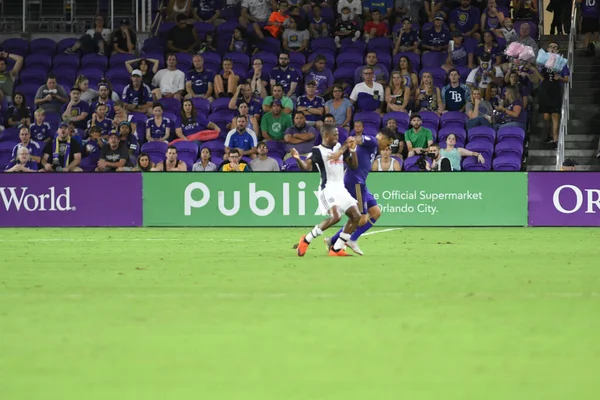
<point x="363" y="196"/>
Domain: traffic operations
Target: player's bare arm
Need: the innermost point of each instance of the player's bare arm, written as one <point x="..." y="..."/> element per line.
<point x="305" y="165"/>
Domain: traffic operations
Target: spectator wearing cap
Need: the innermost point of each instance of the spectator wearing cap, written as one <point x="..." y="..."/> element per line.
<point x="368" y="95"/>
<point x="285" y="76"/>
<point x="51" y="96"/>
<point x="311" y="105"/>
<point x="35" y="150"/>
<point x="113" y="156"/>
<point x="485" y="74"/>
<point x="274" y="123"/>
<point x="569" y="165"/>
<point x="455" y="95"/>
<point x="417" y="138"/>
<point x="137" y="96"/>
<point x="182" y="38"/>
<point x="124" y="39"/>
<point x="460" y="54"/>
<point x="466" y="19"/>
<point x="318" y="72"/>
<point x="199" y="80"/>
<point x="94" y="41"/>
<point x="382" y="75"/>
<point x="407" y="39"/>
<point x="63" y="153"/>
<point x="100" y="120"/>
<point x="264" y="163"/>
<point x="22" y="162"/>
<point x="242" y="138"/>
<point x="129" y="141"/>
<point x="76" y="111"/>
<point x="170" y="80"/>
<point x="437" y="37"/>
<point x="301" y="135"/>
<point x="286" y="102"/>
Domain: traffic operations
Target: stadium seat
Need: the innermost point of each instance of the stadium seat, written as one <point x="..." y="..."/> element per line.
<point x="156" y="150"/>
<point x="43" y="46"/>
<point x="507" y="162"/>
<point x="187" y="152"/>
<point x="402" y="120"/>
<point x="482" y="133"/>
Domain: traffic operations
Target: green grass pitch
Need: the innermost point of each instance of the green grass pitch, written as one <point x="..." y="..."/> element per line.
<point x="221" y="314"/>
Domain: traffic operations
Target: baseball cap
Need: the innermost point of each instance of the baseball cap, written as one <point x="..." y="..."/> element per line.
<point x="136" y="72"/>
<point x="277" y="102"/>
<point x="113" y="132"/>
<point x="406" y="18"/>
<point x="439" y="16"/>
<point x="64" y="124"/>
<point x="125" y="123"/>
<point x="311" y="82"/>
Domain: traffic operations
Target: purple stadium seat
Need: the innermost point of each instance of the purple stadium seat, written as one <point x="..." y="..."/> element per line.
<point x="380" y="44"/>
<point x="269" y="45"/>
<point x="173" y="120"/>
<point x="471" y="164"/>
<point x="152" y="45"/>
<point x="415" y="60"/>
<point x="92" y="74"/>
<point x="344" y="74"/>
<point x="157" y="56"/>
<point x="511" y="132"/>
<point x="65" y="44"/>
<point x="216" y="159"/>
<point x="290" y="165"/>
<point x="202" y="106"/>
<point x="410" y="164"/>
<point x="220" y="104"/>
<point x="279" y="162"/>
<point x="240" y="60"/>
<point x="297" y="59"/>
<point x="439" y="75"/>
<point x="171" y="104"/>
<point x="430" y="120"/>
<point x="39" y="61"/>
<point x="221" y="118"/>
<point x="5" y="154"/>
<point x="33" y="76"/>
<point x="226" y="28"/>
<point x="187" y="152"/>
<point x="16" y="45"/>
<point x="460" y="133"/>
<point x="96" y="61"/>
<point x="323" y="45"/>
<point x="156" y="150"/>
<point x="471" y="42"/>
<point x="384" y="59"/>
<point x="433" y="59"/>
<point x="53" y="119"/>
<point x="119" y="59"/>
<point x="464" y="73"/>
<point x="204" y="27"/>
<point x="65" y="75"/>
<point x="42" y="46"/>
<point x="216" y="147"/>
<point x="10" y="135"/>
<point x="118" y="76"/>
<point x="212" y="61"/>
<point x="507" y="162"/>
<point x="402" y="120"/>
<point x="65" y="61"/>
<point x="267" y="59"/>
<point x="330" y="59"/>
<point x="509" y="146"/>
<point x="276" y="149"/>
<point x="369" y="119"/>
<point x="359" y="46"/>
<point x="482" y="133"/>
<point x="349" y="59"/>
<point x="29" y="90"/>
<point x="184" y="61"/>
<point x="326" y="13"/>
<point x="481" y="146"/>
<point x="453" y="119"/>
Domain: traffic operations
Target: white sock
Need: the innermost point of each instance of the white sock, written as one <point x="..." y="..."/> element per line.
<point x="341" y="242"/>
<point x="316" y="232"/>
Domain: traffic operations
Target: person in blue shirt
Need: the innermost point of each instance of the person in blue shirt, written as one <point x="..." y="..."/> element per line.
<point x="241" y="138"/>
<point x="355" y="181"/>
<point x="438" y="37"/>
<point x="198" y="80"/>
<point x="137" y="96"/>
<point x="455" y="95"/>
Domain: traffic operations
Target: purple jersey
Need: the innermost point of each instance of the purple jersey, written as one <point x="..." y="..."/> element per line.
<point x="200" y="80"/>
<point x="41" y="132"/>
<point x="105" y="126"/>
<point x="110" y="106"/>
<point x="77" y="110"/>
<point x="324" y="79"/>
<point x="285" y="77"/>
<point x="34" y="149"/>
<point x="316" y="102"/>
<point x="460" y="55"/>
<point x="437" y="39"/>
<point x="366" y="154"/>
<point x="465" y="20"/>
<point x="590" y="9"/>
<point x="157" y="131"/>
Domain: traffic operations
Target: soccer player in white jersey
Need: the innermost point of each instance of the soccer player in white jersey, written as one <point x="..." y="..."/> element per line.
<point x="333" y="195"/>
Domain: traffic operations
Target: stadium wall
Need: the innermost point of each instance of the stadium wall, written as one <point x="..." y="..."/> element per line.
<point x="289" y="199"/>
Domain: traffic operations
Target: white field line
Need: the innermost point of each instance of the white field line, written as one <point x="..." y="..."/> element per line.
<point x="291" y="295"/>
<point x="381" y="231"/>
<point x="121" y="240"/>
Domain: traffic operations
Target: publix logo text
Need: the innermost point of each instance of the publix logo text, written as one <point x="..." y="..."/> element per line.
<point x="198" y="195"/>
<point x="20" y="198"/>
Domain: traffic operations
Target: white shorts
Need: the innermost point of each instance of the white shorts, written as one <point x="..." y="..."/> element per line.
<point x="336" y="196"/>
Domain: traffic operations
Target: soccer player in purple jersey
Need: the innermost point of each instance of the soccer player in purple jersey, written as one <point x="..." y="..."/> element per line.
<point x="355" y="181"/>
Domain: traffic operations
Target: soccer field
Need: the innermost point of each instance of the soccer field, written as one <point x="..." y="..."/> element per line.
<point x="437" y="313"/>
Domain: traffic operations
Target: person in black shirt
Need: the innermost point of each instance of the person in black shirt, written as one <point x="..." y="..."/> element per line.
<point x="182" y="37"/>
<point x="124" y="39"/>
<point x="113" y="156"/>
<point x="62" y="154"/>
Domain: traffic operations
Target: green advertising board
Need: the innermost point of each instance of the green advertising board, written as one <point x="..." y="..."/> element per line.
<point x="290" y="199"/>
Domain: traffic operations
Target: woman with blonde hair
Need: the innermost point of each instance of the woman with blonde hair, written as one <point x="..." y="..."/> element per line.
<point x="397" y="96"/>
<point x="411" y="80"/>
<point x="88" y="95"/>
<point x="429" y="97"/>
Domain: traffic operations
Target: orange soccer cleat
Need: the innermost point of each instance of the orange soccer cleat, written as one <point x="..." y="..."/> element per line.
<point x="302" y="246"/>
<point x="339" y="253"/>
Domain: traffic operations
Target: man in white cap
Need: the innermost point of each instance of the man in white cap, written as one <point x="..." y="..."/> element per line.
<point x="137" y="96"/>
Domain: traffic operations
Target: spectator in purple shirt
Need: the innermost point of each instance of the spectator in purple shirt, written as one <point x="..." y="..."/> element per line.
<point x="301" y="135"/>
<point x="317" y="71"/>
<point x="311" y="105"/>
<point x="286" y="76"/>
<point x="382" y="75"/>
<point x="436" y="38"/>
<point x="407" y="39"/>
<point x="76" y="111"/>
<point x="460" y="55"/>
<point x="22" y="163"/>
<point x="34" y="148"/>
<point x="466" y="19"/>
<point x="490" y="47"/>
<point x="513" y="114"/>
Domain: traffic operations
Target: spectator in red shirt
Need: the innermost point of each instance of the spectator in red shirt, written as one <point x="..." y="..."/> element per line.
<point x="376" y="27"/>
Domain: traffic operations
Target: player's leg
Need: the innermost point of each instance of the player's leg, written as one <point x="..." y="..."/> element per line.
<point x="374" y="212"/>
<point x="335" y="214"/>
<point x="357" y="193"/>
<point x="353" y="218"/>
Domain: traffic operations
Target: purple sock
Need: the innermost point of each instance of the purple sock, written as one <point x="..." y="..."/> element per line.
<point x="335" y="237"/>
<point x="362" y="229"/>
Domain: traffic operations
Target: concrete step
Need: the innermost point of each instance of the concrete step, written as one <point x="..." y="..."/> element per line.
<point x="533" y="168"/>
<point x="580" y="75"/>
<point x="592" y="93"/>
<point x="539" y="145"/>
<point x="577" y="153"/>
<point x="585" y="67"/>
<point x="578" y="85"/>
<point x="584" y="115"/>
<point x="575" y="128"/>
<point x="551" y="160"/>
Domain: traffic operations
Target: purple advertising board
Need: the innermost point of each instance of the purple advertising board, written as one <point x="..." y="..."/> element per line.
<point x="73" y="199"/>
<point x="564" y="198"/>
